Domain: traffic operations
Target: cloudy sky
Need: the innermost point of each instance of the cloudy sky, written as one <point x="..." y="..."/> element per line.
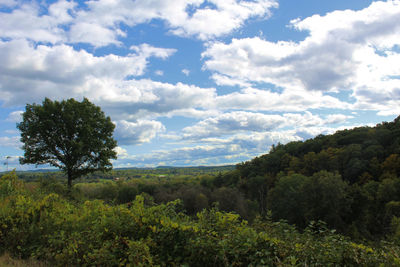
<point x="202" y="82"/>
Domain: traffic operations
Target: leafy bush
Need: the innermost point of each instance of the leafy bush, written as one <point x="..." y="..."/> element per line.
<point x="62" y="232"/>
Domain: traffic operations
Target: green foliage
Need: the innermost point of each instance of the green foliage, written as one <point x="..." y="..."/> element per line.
<point x="286" y="199"/>
<point x="183" y="216"/>
<point x="73" y="136"/>
<point x="126" y="194"/>
<point x="52" y="229"/>
<point x="10" y="184"/>
<point x="349" y="179"/>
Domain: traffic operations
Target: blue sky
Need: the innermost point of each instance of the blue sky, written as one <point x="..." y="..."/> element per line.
<point x="202" y="82"/>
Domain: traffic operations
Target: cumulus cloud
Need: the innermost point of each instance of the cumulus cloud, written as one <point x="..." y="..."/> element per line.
<point x="26" y="21"/>
<point x="239" y="147"/>
<point x="60" y="71"/>
<point x="99" y="22"/>
<point x="139" y="132"/>
<point x="183" y="18"/>
<point x="225" y="16"/>
<point x="229" y="81"/>
<point x="13" y="141"/>
<point x="337" y="118"/>
<point x="121" y="152"/>
<point x="192" y="156"/>
<point x="232" y="123"/>
<point x="8" y="3"/>
<point x="288" y="100"/>
<point x="29" y="73"/>
<point x="94" y="34"/>
<point x="136" y="99"/>
<point x="15" y="116"/>
<point x="279" y="82"/>
<point x="344" y="50"/>
<point x="147" y="50"/>
<point x="284" y="64"/>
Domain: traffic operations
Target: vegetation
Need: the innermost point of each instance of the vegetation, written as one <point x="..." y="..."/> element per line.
<point x="349" y="179"/>
<point x="67" y="231"/>
<point x="329" y="201"/>
<point x="7" y="261"/>
<point x="73" y="136"/>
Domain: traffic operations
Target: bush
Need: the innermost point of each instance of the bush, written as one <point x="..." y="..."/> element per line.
<point x="52" y="228"/>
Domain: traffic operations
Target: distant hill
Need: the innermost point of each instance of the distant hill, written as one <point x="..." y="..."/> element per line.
<point x="358" y="155"/>
<point x="349" y="179"/>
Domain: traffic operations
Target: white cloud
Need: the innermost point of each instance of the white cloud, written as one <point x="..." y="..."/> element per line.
<point x="337" y="118"/>
<point x="183" y="17"/>
<point x="136" y="99"/>
<point x="186" y="72"/>
<point x="345" y="50"/>
<point x="15" y="116"/>
<point x="29" y="74"/>
<point x="224" y="16"/>
<point x="195" y="155"/>
<point x="352" y="51"/>
<point x="62" y="72"/>
<point x="288" y="100"/>
<point x="147" y="50"/>
<point x="232" y="123"/>
<point x="133" y="133"/>
<point x="236" y="148"/>
<point x="8" y="3"/>
<point x="377" y="25"/>
<point x="13" y="141"/>
<point x="192" y="112"/>
<point x="229" y="81"/>
<point x="284" y="64"/>
<point x="159" y="73"/>
<point x="26" y="21"/>
<point x="94" y="34"/>
<point x="121" y="152"/>
<point x="99" y="22"/>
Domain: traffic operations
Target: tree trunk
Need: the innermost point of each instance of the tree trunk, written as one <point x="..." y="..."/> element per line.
<point x="69" y="179"/>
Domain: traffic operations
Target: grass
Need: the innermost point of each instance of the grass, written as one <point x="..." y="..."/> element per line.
<point x="7" y="261"/>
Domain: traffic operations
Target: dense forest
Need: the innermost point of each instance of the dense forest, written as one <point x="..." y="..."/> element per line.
<point x="349" y="179"/>
<point x="331" y="200"/>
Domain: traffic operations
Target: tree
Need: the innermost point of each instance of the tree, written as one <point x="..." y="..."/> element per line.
<point x="287" y="201"/>
<point x="73" y="136"/>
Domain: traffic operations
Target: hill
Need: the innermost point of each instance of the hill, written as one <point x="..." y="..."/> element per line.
<point x="349" y="179"/>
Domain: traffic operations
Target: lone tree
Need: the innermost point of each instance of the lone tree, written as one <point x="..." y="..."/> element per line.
<point x="73" y="136"/>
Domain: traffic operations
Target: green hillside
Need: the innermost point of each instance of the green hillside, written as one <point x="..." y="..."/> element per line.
<point x="349" y="179"/>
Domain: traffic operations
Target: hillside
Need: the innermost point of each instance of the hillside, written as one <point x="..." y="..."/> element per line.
<point x="358" y="155"/>
<point x="349" y="179"/>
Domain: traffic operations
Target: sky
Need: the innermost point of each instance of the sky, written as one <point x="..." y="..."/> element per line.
<point x="202" y="82"/>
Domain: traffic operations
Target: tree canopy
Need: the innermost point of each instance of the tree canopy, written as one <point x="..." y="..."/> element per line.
<point x="74" y="136"/>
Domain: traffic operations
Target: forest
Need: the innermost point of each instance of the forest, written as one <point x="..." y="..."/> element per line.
<point x="333" y="200"/>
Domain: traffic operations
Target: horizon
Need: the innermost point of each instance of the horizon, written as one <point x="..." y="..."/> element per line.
<point x="54" y="169"/>
<point x="183" y="93"/>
